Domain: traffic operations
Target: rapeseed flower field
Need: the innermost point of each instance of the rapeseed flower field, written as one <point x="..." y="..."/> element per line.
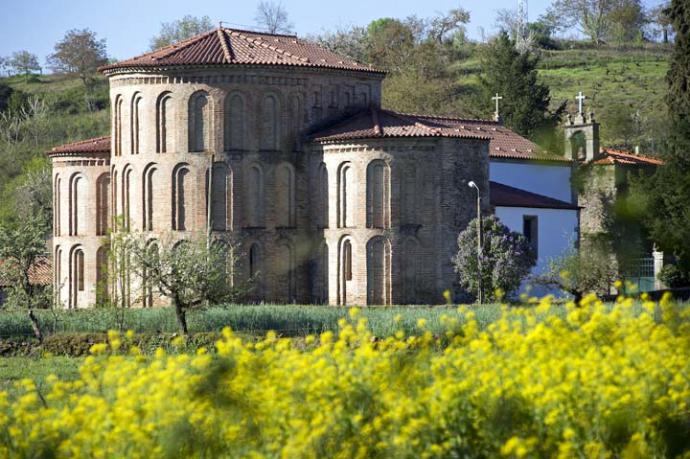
<point x="601" y="382"/>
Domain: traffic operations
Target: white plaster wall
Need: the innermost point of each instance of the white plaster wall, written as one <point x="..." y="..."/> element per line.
<point x="557" y="233"/>
<point x="551" y="180"/>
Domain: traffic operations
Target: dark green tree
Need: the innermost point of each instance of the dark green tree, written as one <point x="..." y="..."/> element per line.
<point x="666" y="196"/>
<point x="525" y="104"/>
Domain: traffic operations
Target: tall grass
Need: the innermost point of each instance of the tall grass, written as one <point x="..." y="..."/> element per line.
<point x="287" y="320"/>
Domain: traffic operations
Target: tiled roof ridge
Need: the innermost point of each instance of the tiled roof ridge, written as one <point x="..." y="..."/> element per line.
<point x="224" y="44"/>
<point x="79" y="145"/>
<point x="177" y="47"/>
<point x="260" y="42"/>
<point x="83" y="142"/>
<point x="440" y="117"/>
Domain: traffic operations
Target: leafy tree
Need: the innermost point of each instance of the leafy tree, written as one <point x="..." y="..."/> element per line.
<point x="22" y="246"/>
<point x="660" y="17"/>
<point x="627" y="18"/>
<point x="444" y="26"/>
<point x="525" y="104"/>
<point x="191" y="273"/>
<point x="580" y="272"/>
<point x="506" y="260"/>
<point x="187" y="27"/>
<point x="80" y="52"/>
<point x="666" y="196"/>
<point x="389" y="44"/>
<point x="272" y="17"/>
<point x="349" y="42"/>
<point x="591" y="16"/>
<point x="24" y="62"/>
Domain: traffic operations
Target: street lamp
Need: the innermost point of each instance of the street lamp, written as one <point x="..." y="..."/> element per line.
<point x="480" y="295"/>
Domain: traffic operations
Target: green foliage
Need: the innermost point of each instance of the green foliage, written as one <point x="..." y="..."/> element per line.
<point x="525" y="104"/>
<point x="506" y="259"/>
<point x="175" y="31"/>
<point x="23" y="62"/>
<point x="667" y="194"/>
<point x="673" y="277"/>
<point x="579" y="272"/>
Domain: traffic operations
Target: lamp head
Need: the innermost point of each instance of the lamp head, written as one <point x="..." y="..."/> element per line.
<point x="471" y="184"/>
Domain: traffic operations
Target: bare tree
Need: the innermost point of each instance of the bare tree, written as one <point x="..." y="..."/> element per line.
<point x="176" y="31"/>
<point x="22" y="248"/>
<point x="272" y="17"/>
<point x="24" y="62"/>
<point x="445" y="25"/>
<point x="80" y="52"/>
<point x="591" y="16"/>
<point x="192" y="273"/>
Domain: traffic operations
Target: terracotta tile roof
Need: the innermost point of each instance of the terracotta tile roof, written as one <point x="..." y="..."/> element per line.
<point x="41" y="273"/>
<point x="224" y="46"/>
<point x="507" y="196"/>
<point x="373" y="123"/>
<point x="96" y="145"/>
<point x="612" y="156"/>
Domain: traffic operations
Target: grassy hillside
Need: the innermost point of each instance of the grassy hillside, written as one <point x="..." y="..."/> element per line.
<point x="63" y="116"/>
<point x="617" y="83"/>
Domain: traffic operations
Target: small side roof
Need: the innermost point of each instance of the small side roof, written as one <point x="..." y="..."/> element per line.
<point x="380" y="123"/>
<point x="613" y="156"/>
<point x="97" y="145"/>
<point x="41" y="273"/>
<point x="507" y="196"/>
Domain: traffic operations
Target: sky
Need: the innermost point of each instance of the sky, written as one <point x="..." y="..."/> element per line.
<point x="128" y="25"/>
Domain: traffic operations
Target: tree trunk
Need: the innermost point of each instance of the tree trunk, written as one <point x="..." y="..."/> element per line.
<point x="181" y="315"/>
<point x="35" y="326"/>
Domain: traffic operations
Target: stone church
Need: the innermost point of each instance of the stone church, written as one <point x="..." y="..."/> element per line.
<point x="285" y="146"/>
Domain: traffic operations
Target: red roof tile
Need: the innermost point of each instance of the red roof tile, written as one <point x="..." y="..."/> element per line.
<point x="372" y="123"/>
<point x="96" y="145"/>
<point x="612" y="156"/>
<point x="41" y="273"/>
<point x="224" y="46"/>
<point x="507" y="196"/>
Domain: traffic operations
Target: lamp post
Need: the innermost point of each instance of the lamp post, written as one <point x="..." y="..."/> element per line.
<point x="480" y="295"/>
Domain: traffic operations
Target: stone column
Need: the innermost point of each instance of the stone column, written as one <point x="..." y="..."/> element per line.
<point x="658" y="264"/>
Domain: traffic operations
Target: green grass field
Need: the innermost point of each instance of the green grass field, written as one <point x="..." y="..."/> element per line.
<point x="14" y="369"/>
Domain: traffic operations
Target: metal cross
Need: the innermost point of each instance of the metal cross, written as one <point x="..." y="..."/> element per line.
<point x="580" y="99"/>
<point x="496" y="98"/>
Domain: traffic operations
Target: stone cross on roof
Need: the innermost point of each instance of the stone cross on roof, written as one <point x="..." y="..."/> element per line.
<point x="496" y="98"/>
<point x="580" y="101"/>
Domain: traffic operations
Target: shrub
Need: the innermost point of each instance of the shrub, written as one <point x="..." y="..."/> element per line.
<point x="672" y="276"/>
<point x="601" y="382"/>
<point x="507" y="258"/>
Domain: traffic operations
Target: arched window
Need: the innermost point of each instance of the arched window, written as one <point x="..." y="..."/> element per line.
<point x="578" y="146"/>
<point x="152" y="250"/>
<point x="117" y="125"/>
<point x="126" y="197"/>
<point x="114" y="191"/>
<point x="57" y="204"/>
<point x="57" y="273"/>
<point x="286" y="271"/>
<point x="344" y="269"/>
<point x="102" y="214"/>
<point x="321" y="284"/>
<point x="378" y="271"/>
<point x="255" y="196"/>
<point x="285" y="196"/>
<point x="378" y="195"/>
<point x="269" y="120"/>
<point x="199" y="120"/>
<point x="234" y="122"/>
<point x="256" y="269"/>
<point x="345" y="208"/>
<point x="221" y="204"/>
<point x="181" y="198"/>
<point x="135" y="123"/>
<point x="322" y="197"/>
<point x="77" y="284"/>
<point x="295" y="119"/>
<point x="163" y="122"/>
<point x="409" y="263"/>
<point x="408" y="195"/>
<point x="77" y="211"/>
<point x="148" y="205"/>
<point x="102" y="286"/>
